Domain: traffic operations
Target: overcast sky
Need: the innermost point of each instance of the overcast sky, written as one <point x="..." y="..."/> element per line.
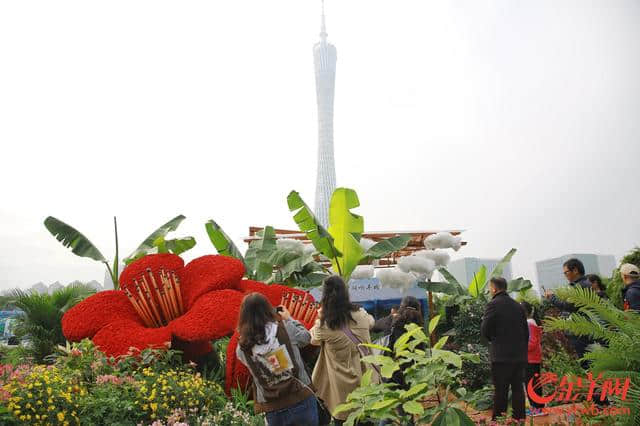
<point x="517" y="121"/>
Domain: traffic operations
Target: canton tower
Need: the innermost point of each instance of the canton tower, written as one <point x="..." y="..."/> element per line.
<point x="324" y="60"/>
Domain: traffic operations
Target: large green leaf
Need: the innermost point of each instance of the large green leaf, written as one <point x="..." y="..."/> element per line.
<point x="447" y="417"/>
<point x="478" y="282"/>
<point x="433" y="323"/>
<point x="346" y="229"/>
<point x="221" y="241"/>
<point x="307" y="222"/>
<point x="497" y="271"/>
<point x="180" y="245"/>
<point x="386" y="247"/>
<point x="438" y="287"/>
<point x="451" y="279"/>
<point x="149" y="243"/>
<point x="465" y="420"/>
<point x="260" y="251"/>
<point x="519" y="284"/>
<point x="71" y="237"/>
<point x="413" y="407"/>
<point x="295" y="265"/>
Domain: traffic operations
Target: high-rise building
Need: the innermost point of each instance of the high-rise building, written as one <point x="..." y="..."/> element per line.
<point x="324" y="59"/>
<point x="464" y="269"/>
<point x="550" y="273"/>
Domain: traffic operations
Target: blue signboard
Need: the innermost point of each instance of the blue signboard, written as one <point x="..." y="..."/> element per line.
<point x="378" y="300"/>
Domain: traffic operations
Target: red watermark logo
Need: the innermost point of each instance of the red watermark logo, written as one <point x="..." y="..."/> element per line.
<point x="566" y="390"/>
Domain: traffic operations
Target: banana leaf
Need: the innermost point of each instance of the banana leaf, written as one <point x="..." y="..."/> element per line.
<point x="221" y="241"/>
<point x="479" y="281"/>
<point x="148" y="245"/>
<point x="71" y="237"/>
<point x="259" y="252"/>
<point x="346" y="229"/>
<point x="519" y="284"/>
<point x="180" y="245"/>
<point x="385" y="248"/>
<point x="497" y="271"/>
<point x="307" y="222"/>
<point x="264" y="271"/>
<point x="452" y="280"/>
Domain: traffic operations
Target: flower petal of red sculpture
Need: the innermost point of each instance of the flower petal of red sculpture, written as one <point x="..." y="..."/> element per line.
<point x="119" y="337"/>
<point x="214" y="315"/>
<point x="86" y="318"/>
<point x="209" y="273"/>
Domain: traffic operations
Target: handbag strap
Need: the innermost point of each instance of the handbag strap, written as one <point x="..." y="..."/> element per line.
<point x="363" y="350"/>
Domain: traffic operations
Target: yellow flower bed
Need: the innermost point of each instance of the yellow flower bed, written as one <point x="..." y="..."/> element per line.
<point x="160" y="394"/>
<point x="45" y="397"/>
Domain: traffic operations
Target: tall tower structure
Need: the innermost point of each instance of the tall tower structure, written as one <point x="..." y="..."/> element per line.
<point x="324" y="59"/>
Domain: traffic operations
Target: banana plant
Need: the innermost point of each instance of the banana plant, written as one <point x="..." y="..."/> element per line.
<point x="341" y="243"/>
<point x="477" y="288"/>
<point x="81" y="246"/>
<point x="265" y="261"/>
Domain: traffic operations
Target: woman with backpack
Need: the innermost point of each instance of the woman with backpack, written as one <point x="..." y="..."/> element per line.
<point x="341" y="326"/>
<point x="269" y="345"/>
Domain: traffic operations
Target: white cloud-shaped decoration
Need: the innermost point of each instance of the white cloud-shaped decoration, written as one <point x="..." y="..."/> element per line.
<point x="443" y="240"/>
<point x="417" y="264"/>
<point x="366" y="243"/>
<point x="395" y="278"/>
<point x="290" y="244"/>
<point x="363" y="272"/>
<point x="441" y="257"/>
<point x="309" y="248"/>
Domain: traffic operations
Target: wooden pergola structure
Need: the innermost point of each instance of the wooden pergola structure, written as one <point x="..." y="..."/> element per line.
<point x="416" y="243"/>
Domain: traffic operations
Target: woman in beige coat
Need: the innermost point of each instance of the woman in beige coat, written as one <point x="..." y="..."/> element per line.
<point x="339" y="369"/>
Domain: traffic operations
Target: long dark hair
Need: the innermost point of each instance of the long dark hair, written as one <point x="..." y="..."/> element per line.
<point x="336" y="306"/>
<point x="594" y="279"/>
<point x="410" y="312"/>
<point x="255" y="313"/>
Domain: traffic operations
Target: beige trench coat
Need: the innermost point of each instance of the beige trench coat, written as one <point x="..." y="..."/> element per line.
<point x="339" y="370"/>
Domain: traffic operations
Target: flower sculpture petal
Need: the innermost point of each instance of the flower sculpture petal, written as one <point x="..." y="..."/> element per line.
<point x="118" y="337"/>
<point x="211" y="303"/>
<point x="211" y="317"/>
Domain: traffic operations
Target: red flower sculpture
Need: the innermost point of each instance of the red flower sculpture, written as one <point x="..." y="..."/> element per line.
<point x="211" y="290"/>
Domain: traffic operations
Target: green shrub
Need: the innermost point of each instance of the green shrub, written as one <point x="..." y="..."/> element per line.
<point x="41" y="321"/>
<point x="429" y="374"/>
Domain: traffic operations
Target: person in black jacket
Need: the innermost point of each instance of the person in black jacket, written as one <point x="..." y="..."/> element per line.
<point x="504" y="325"/>
<point x="383" y="325"/>
<point x="408" y="313"/>
<point x="573" y="270"/>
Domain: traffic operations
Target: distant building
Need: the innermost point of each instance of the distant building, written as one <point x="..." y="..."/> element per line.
<point x="550" y="273"/>
<point x="464" y="269"/>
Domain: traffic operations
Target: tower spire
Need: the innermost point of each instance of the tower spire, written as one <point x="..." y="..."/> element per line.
<point x="323" y="26"/>
<point x="324" y="60"/>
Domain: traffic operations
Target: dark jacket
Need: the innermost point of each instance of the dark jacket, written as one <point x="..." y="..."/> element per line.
<point x="397" y="330"/>
<point x="504" y="324"/>
<point x="566" y="306"/>
<point x="383" y="325"/>
<point x="631" y="296"/>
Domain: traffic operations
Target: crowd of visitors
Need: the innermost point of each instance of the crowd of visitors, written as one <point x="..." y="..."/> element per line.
<point x="289" y="394"/>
